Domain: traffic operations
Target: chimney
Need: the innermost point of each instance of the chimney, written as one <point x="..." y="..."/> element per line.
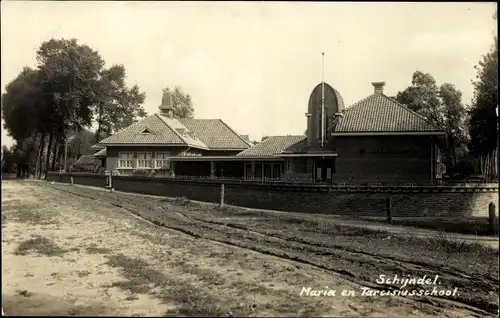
<point x="166" y="107"/>
<point x="378" y="87"/>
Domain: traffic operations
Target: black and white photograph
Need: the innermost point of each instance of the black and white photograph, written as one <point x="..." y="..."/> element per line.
<point x="249" y="159"/>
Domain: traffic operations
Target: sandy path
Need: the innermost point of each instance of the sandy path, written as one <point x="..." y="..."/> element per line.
<point x="67" y="255"/>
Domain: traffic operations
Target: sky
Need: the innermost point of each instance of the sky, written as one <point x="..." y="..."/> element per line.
<point x="254" y="64"/>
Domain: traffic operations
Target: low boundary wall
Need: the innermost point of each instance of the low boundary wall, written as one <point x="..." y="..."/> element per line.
<point x="406" y="201"/>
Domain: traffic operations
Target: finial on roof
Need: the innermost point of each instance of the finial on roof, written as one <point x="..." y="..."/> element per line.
<point x="167" y="104"/>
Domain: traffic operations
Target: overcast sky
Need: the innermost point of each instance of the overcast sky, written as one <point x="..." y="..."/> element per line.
<point x="254" y="64"/>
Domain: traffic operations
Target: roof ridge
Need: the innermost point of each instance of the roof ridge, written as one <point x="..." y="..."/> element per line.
<point x="234" y="132"/>
<point x="175" y="131"/>
<point x="409" y="110"/>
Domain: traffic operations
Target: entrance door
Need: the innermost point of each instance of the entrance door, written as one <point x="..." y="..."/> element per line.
<point x="324" y="169"/>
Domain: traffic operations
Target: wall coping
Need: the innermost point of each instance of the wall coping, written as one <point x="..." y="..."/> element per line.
<point x="308" y="187"/>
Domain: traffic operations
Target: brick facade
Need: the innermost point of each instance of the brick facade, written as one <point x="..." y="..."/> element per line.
<point x="354" y="201"/>
<point x="386" y="158"/>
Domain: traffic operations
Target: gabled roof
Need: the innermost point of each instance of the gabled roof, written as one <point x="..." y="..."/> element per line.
<point x="160" y="133"/>
<point x="275" y="145"/>
<point x="86" y="160"/>
<point x="183" y="132"/>
<point x="196" y="133"/>
<point x="96" y="147"/>
<point x="379" y="113"/>
<point x="216" y="134"/>
<point x="101" y="153"/>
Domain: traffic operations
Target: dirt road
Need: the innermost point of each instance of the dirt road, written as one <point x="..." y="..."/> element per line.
<point x="76" y="251"/>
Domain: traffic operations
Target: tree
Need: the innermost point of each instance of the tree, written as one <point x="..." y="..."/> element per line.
<point x="182" y="103"/>
<point x="8" y="164"/>
<point x="441" y="105"/>
<point x="422" y="97"/>
<point x="116" y="106"/>
<point x="69" y="75"/>
<point x="69" y="88"/>
<point x="454" y="118"/>
<point x="19" y="104"/>
<point x="21" y="111"/>
<point x="483" y="113"/>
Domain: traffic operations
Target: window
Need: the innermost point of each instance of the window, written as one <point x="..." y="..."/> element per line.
<point x="289" y="165"/>
<point x="125" y="159"/>
<point x="144" y="160"/>
<point x="161" y="160"/>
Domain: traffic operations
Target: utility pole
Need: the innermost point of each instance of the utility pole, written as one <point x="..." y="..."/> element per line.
<point x="322" y="102"/>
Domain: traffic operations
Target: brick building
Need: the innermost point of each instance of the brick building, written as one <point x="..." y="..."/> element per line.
<point x="376" y="139"/>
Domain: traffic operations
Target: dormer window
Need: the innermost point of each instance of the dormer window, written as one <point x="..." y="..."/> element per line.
<point x="146" y="131"/>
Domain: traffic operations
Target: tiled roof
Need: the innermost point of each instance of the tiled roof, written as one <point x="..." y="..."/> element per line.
<point x="183" y="132"/>
<point x="100" y="153"/>
<point x="160" y="133"/>
<point x="96" y="147"/>
<point x="216" y="134"/>
<point x="379" y="113"/>
<point x="299" y="147"/>
<point x="86" y="160"/>
<point x="199" y="133"/>
<point x="274" y="145"/>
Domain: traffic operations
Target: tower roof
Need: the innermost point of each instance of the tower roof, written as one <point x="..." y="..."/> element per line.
<point x="167" y="102"/>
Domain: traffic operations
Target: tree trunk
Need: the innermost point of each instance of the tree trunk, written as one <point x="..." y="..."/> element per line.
<point x="55" y="155"/>
<point x="39" y="154"/>
<point x="42" y="150"/>
<point x="49" y="151"/>
<point x="99" y="124"/>
<point x="61" y="157"/>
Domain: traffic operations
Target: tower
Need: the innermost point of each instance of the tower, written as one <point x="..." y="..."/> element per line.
<point x="167" y="105"/>
<point x="325" y="100"/>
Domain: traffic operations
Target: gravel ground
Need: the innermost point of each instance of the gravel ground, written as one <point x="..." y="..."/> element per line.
<point x="71" y="250"/>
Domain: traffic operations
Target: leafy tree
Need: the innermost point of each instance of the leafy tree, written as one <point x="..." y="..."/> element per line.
<point x="116" y="106"/>
<point x="69" y="75"/>
<point x="42" y="107"/>
<point x="441" y="105"/>
<point x="19" y="104"/>
<point x="8" y="164"/>
<point x="483" y="113"/>
<point x="454" y="117"/>
<point x="422" y="97"/>
<point x="182" y="103"/>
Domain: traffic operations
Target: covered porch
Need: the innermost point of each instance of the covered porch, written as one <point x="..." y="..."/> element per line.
<point x="239" y="167"/>
<point x="317" y="167"/>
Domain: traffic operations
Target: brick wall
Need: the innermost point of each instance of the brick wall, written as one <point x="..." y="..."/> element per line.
<point x="385" y="158"/>
<point x="355" y="201"/>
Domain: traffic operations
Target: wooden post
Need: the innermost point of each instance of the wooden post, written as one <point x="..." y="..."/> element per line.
<point x="222" y="195"/>
<point x="72" y="181"/>
<point x="492" y="216"/>
<point x="389" y="210"/>
<point x="111" y="182"/>
<point x="212" y="169"/>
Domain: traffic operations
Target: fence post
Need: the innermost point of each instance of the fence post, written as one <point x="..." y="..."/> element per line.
<point x="111" y="189"/>
<point x="222" y="195"/>
<point x="108" y="175"/>
<point x="492" y="216"/>
<point x="72" y="180"/>
<point x="389" y="210"/>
